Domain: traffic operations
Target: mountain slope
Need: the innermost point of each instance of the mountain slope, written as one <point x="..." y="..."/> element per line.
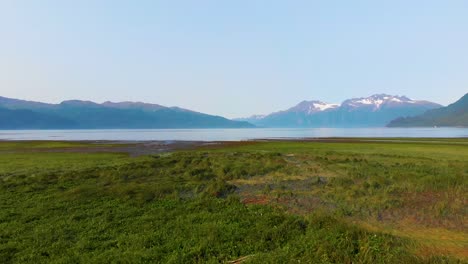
<point x="455" y="114"/>
<point x="374" y="111"/>
<point x="77" y="114"/>
<point x="27" y="119"/>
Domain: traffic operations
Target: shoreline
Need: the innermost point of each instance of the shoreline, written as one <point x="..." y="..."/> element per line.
<point x="151" y="147"/>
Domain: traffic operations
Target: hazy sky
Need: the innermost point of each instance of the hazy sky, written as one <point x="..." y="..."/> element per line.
<point x="232" y="58"/>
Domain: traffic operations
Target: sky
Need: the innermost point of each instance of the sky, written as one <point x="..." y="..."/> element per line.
<point x="233" y="58"/>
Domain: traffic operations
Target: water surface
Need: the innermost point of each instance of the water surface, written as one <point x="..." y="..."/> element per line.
<point x="227" y="134"/>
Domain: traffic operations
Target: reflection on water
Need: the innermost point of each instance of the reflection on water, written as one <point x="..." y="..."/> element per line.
<point x="227" y="134"/>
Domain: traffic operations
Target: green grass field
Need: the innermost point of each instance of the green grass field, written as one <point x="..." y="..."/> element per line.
<point x="338" y="201"/>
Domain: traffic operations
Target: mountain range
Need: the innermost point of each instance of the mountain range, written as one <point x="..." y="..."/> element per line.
<point x="373" y="111"/>
<point x="75" y="114"/>
<point x="378" y="110"/>
<point x="455" y="114"/>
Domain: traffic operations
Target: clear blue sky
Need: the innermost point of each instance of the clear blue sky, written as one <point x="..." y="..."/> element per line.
<point x="232" y="58"/>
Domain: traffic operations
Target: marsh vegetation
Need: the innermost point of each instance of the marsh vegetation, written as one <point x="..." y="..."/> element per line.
<point x="343" y="201"/>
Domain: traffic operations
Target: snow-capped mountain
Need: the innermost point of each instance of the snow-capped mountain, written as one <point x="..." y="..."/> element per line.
<point x="382" y="100"/>
<point x="311" y="107"/>
<point x="372" y="111"/>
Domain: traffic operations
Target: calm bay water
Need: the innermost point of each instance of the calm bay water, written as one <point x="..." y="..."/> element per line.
<point x="227" y="134"/>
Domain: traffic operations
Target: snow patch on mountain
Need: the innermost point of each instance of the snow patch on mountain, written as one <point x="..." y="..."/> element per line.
<point x="324" y="106"/>
<point x="377" y="104"/>
<point x="311" y="107"/>
<point x="378" y="100"/>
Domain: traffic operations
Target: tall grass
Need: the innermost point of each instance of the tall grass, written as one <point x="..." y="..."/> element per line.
<point x="192" y="206"/>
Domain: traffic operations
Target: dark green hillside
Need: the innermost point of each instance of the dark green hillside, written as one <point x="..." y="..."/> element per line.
<point x="455" y="114"/>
